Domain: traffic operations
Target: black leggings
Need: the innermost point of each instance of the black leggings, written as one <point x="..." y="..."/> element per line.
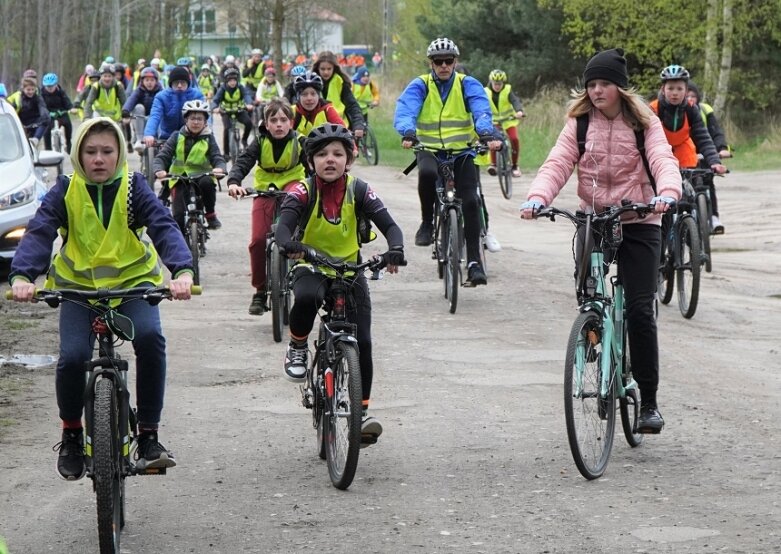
<point x="179" y="200"/>
<point x="227" y="123"/>
<point x="466" y="187"/>
<point x="309" y="290"/>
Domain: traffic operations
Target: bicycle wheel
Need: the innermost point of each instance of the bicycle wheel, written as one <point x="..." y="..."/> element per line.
<point x="343" y="417"/>
<point x="703" y="223"/>
<point x="505" y="172"/>
<point x="452" y="265"/>
<point x="192" y="243"/>
<point x="371" y="149"/>
<point x="688" y="267"/>
<point x="276" y="280"/>
<point x="233" y="145"/>
<point x="440" y="239"/>
<point x="590" y="419"/>
<point x="629" y="406"/>
<point x="107" y="476"/>
<point x="148" y="162"/>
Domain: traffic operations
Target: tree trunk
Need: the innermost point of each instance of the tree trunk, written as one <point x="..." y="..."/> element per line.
<point x="115" y="41"/>
<point x="277" y="26"/>
<point x="722" y="87"/>
<point x="708" y="81"/>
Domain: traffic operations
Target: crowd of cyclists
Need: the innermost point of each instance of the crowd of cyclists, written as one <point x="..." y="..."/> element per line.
<point x="302" y="140"/>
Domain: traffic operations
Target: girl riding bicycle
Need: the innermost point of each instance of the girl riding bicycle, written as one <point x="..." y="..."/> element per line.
<point x="612" y="170"/>
<point x="507" y="109"/>
<point x="278" y="153"/>
<point x="101" y="211"/>
<point x="326" y="209"/>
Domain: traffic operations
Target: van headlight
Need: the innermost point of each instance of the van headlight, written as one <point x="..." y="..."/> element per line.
<point x="19" y="197"/>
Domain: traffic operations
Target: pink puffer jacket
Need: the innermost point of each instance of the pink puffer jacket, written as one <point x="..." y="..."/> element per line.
<point x="611" y="168"/>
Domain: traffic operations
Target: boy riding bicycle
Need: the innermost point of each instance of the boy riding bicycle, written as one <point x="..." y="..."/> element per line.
<point x="230" y="97"/>
<point x="279" y="158"/>
<point x="191" y="151"/>
<point x="326" y="209"/>
<point x="507" y="110"/>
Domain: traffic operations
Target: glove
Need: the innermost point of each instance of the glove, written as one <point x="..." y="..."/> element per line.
<point x="665" y="199"/>
<point x="533" y="205"/>
<point x="125" y="114"/>
<point x="394" y="256"/>
<point x="293" y="247"/>
<point x="411" y="137"/>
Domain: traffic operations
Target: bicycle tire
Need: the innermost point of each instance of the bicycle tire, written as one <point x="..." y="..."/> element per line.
<point x="371" y="147"/>
<point x="318" y="420"/>
<point x="233" y="146"/>
<point x="688" y="247"/>
<point x="343" y="417"/>
<point x="277" y="273"/>
<point x="106" y="472"/>
<point x="666" y="276"/>
<point x="192" y="244"/>
<point x="452" y="263"/>
<point x="590" y="419"/>
<point x="149" y="157"/>
<point x="629" y="406"/>
<point x="439" y="244"/>
<point x="505" y="173"/>
<point x="703" y="223"/>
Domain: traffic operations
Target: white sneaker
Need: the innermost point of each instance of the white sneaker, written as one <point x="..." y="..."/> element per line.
<point x="295" y="363"/>
<point x="491" y="243"/>
<point x="717" y="227"/>
<point x="138" y="146"/>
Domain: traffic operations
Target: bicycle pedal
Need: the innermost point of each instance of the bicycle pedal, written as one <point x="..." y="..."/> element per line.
<point x="368" y="440"/>
<point x="152" y="471"/>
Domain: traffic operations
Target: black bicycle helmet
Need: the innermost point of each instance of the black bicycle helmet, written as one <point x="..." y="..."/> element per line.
<point x="674" y="73"/>
<point x="308" y="79"/>
<point x="326" y="133"/>
<point x="231" y="73"/>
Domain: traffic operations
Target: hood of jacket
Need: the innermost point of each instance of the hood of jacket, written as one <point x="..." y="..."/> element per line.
<point x="82" y="131"/>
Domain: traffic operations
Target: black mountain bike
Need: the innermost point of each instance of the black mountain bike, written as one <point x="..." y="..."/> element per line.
<point x="682" y="258"/>
<point x="277" y="268"/>
<point x="696" y="189"/>
<point x="196" y="231"/>
<point x="110" y="422"/>
<point x="368" y="147"/>
<point x="449" y="243"/>
<point x="504" y="159"/>
<point x="235" y="144"/>
<point x="148" y="160"/>
<point x="333" y="378"/>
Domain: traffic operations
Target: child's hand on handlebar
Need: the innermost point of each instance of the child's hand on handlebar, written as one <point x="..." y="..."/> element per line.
<point x="236" y="191"/>
<point x="23" y="291"/>
<point x="180" y="287"/>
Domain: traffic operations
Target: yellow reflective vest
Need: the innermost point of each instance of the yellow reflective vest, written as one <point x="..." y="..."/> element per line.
<point x="504" y="111"/>
<point x="335" y="86"/>
<point x="447" y="125"/>
<point x="278" y="172"/>
<point x="196" y="161"/>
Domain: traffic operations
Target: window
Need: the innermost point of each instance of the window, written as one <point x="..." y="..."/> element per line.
<point x="10" y="143"/>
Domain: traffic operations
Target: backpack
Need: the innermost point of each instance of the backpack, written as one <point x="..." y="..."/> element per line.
<point x="582" y="121"/>
<point x="365" y="233"/>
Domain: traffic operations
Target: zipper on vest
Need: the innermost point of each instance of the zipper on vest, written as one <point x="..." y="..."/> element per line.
<point x="100" y="205"/>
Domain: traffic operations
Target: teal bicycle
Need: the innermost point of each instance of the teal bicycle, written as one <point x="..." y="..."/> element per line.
<point x="597" y="371"/>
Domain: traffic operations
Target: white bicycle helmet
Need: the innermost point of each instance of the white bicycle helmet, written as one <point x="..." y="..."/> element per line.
<point x="196" y="105"/>
<point x="442" y="47"/>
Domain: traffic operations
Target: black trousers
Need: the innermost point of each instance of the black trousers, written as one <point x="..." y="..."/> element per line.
<point x="227" y="123"/>
<point x="465" y="175"/>
<point x="179" y="199"/>
<point x="310" y="290"/>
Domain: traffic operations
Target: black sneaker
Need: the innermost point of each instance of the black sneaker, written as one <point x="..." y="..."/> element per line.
<point x="214" y="223"/>
<point x="476" y="275"/>
<point x="70" y="462"/>
<point x="295" y="362"/>
<point x="258" y="305"/>
<point x="425" y="234"/>
<point x="492" y="170"/>
<point x="650" y="420"/>
<point x="151" y="454"/>
<point x="370" y="430"/>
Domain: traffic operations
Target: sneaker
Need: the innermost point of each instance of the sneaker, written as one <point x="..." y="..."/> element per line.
<point x="295" y="362"/>
<point x="491" y="243"/>
<point x="650" y="420"/>
<point x="258" y="305"/>
<point x="716" y="226"/>
<point x="370" y="430"/>
<point x="492" y="170"/>
<point x="70" y="462"/>
<point x="425" y="234"/>
<point x="213" y="222"/>
<point x="476" y="275"/>
<point x="516" y="172"/>
<point x="138" y="146"/>
<point x="151" y="454"/>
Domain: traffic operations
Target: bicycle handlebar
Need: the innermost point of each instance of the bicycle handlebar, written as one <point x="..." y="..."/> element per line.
<point x="479" y="148"/>
<point x="54" y="296"/>
<point x="609" y="214"/>
<point x="271" y="193"/>
<point x="313" y="256"/>
<point x="173" y="176"/>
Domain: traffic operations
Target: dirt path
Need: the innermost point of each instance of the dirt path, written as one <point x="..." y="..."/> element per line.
<point x="474" y="457"/>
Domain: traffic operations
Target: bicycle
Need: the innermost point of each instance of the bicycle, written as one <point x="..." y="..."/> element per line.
<point x="504" y="160"/>
<point x="699" y="180"/>
<point x="235" y="144"/>
<point x="597" y="370"/>
<point x="110" y="421"/>
<point x="368" y="146"/>
<point x="195" y="231"/>
<point x="58" y="141"/>
<point x="332" y="389"/>
<point x="148" y="160"/>
<point x="449" y="242"/>
<point x="277" y="269"/>
<point x="682" y="257"/>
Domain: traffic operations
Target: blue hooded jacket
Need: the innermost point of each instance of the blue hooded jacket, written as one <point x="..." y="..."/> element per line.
<point x="166" y="116"/>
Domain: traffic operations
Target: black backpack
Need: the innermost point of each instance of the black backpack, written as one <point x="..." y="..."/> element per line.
<point x="583" y="121"/>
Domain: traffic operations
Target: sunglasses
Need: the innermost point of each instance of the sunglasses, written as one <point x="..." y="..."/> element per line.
<point x="443" y="61"/>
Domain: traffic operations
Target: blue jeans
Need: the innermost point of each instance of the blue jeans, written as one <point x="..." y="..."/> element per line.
<point x="77" y="342"/>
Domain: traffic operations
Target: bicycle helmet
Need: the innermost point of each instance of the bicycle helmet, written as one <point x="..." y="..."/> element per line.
<point x="3" y="91"/>
<point x="674" y="73"/>
<point x="150" y="72"/>
<point x="50" y="80"/>
<point x="205" y="67"/>
<point x="109" y="59"/>
<point x="196" y="105"/>
<point x="106" y="68"/>
<point x="155" y="61"/>
<point x="297" y="70"/>
<point x="30" y="74"/>
<point x="270" y="71"/>
<point x="184" y="62"/>
<point x="498" y="76"/>
<point x="89" y="68"/>
<point x="308" y="79"/>
<point x="141" y="61"/>
<point x="442" y="47"/>
<point x="256" y="51"/>
<point x="230" y="59"/>
<point x="119" y="68"/>
<point x="326" y="133"/>
<point x="95" y="74"/>
<point x="231" y="73"/>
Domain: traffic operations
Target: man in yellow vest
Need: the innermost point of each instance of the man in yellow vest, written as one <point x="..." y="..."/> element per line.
<point x="106" y="97"/>
<point x="444" y="109"/>
<point x="104" y="214"/>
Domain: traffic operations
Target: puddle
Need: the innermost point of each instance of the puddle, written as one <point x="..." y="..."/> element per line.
<point x="31" y="361"/>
